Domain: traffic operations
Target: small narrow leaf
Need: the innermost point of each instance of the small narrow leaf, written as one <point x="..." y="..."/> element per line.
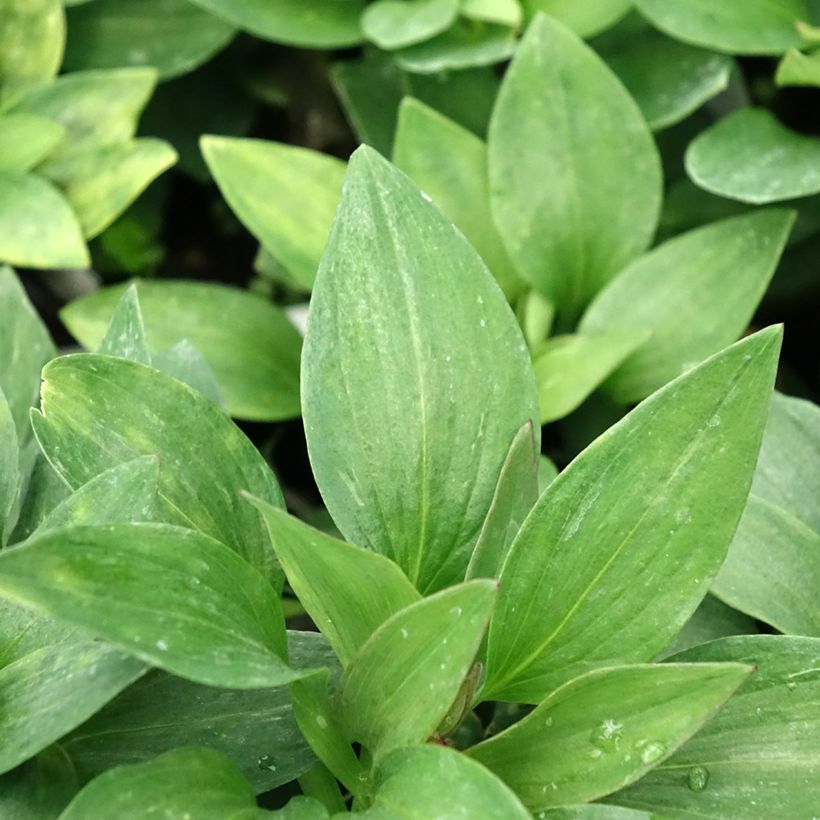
<point x="405" y="678"/>
<point x="347" y="591"/>
<point x="9" y="469"/>
<point x="125" y="336"/>
<point x="626" y="540"/>
<point x="697" y="293"/>
<point x="104" y="579"/>
<point x="798" y="69"/>
<point x="601" y="207"/>
<point x="405" y="324"/>
<point x="606" y="729"/>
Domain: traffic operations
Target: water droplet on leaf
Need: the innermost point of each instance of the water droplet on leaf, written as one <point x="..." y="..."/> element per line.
<point x="698" y="778"/>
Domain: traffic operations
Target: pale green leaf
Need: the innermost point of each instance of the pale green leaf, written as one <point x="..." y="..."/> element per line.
<point x="593" y="811"/>
<point x="584" y="17"/>
<point x="9" y="469"/>
<point x="125" y="336"/>
<point x="503" y="12"/>
<point x="568" y="368"/>
<point x="347" y="591"/>
<point x="172" y="36"/>
<point x="627" y="539"/>
<point x="285" y="195"/>
<point x="696" y="292"/>
<point x="392" y="24"/>
<point x="449" y="164"/>
<point x="255" y="360"/>
<point x="757" y="759"/>
<point x="38" y="229"/>
<point x="104" y="579"/>
<point x="601" y="207"/>
<point x="798" y="69"/>
<point x="750" y="156"/>
<point x="25" y="139"/>
<point x="736" y="27"/>
<point x="404" y="679"/>
<point x="606" y="729"/>
<point x="405" y="324"/>
<point x="184" y="362"/>
<point x="84" y="430"/>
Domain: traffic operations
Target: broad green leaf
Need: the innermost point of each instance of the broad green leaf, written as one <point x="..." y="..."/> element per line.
<point x="405" y="324"/>
<point x="593" y="811"/>
<point x="254" y="727"/>
<point x="668" y="79"/>
<point x="503" y="12"/>
<point x="307" y="23"/>
<point x="711" y="620"/>
<point x="515" y="494"/>
<point x="347" y="591"/>
<point x="404" y="679"/>
<point x="606" y="729"/>
<point x="105" y="579"/>
<point x="50" y="690"/>
<point x="84" y="430"/>
<point x="798" y="69"/>
<point x="25" y="139"/>
<point x="101" y="183"/>
<point x="449" y="163"/>
<point x="758" y="758"/>
<point x="772" y="571"/>
<point x="421" y="782"/>
<point x="627" y="539"/>
<point x="392" y="24"/>
<point x="749" y="156"/>
<point x="127" y="492"/>
<point x="33" y="36"/>
<point x="568" y="368"/>
<point x="285" y="195"/>
<point x="696" y="292"/>
<point x="39" y="789"/>
<point x="255" y="360"/>
<point x="96" y="108"/>
<point x="466" y="44"/>
<point x="38" y="229"/>
<point x="197" y="782"/>
<point x="584" y="17"/>
<point x="172" y="36"/>
<point x="547" y="473"/>
<point x="125" y="336"/>
<point x="601" y="207"/>
<point x="184" y="362"/>
<point x="9" y="468"/>
<point x="737" y="27"/>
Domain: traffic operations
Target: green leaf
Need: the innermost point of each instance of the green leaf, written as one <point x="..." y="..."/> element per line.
<point x="33" y="36"/>
<point x="50" y="690"/>
<point x="584" y="17"/>
<point x="25" y="139"/>
<point x="255" y="361"/>
<point x="198" y="782"/>
<point x="593" y="811"/>
<point x="626" y="540"/>
<point x="101" y="183"/>
<point x="392" y="24"/>
<point x="758" y="758"/>
<point x="38" y="229"/>
<point x="599" y="212"/>
<point x="9" y="469"/>
<point x="749" y="156"/>
<point x="606" y="729"/>
<point x="40" y="788"/>
<point x="127" y="492"/>
<point x="105" y="579"/>
<point x="285" y="195"/>
<point x="697" y="293"/>
<point x="515" y="494"/>
<point x="84" y="430"/>
<point x="307" y="23"/>
<point x="568" y="368"/>
<point x="254" y="727"/>
<point x="172" y="36"/>
<point x="44" y="490"/>
<point x="740" y="27"/>
<point x="405" y="325"/>
<point x="503" y="12"/>
<point x="347" y="591"/>
<point x="798" y="69"/>
<point x="184" y="362"/>
<point x="421" y="782"/>
<point x="449" y="163"/>
<point x="96" y="108"/>
<point x="125" y="336"/>
<point x="772" y="571"/>
<point x="668" y="79"/>
<point x="405" y="678"/>
<point x="466" y="44"/>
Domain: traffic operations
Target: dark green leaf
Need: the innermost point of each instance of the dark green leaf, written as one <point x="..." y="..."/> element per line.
<point x="39" y="789"/>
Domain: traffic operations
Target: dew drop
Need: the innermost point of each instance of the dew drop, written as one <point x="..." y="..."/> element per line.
<point x="607" y="736"/>
<point x="698" y="778"/>
<point x="320" y="720"/>
<point x="266" y="763"/>
<point x="651" y="751"/>
<point x="404" y="633"/>
<point x="162" y="646"/>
